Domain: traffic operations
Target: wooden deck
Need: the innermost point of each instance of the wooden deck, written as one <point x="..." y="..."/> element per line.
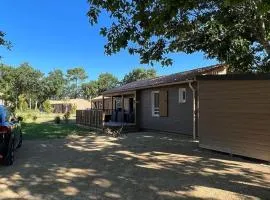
<point x="93" y="118"/>
<point x="127" y="127"/>
<point x="118" y="124"/>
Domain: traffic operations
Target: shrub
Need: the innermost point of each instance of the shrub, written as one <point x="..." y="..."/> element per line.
<point x="57" y="120"/>
<point x="66" y="117"/>
<point x="20" y="118"/>
<point x="23" y="105"/>
<point x="34" y="118"/>
<point x="73" y="109"/>
<point x="47" y="107"/>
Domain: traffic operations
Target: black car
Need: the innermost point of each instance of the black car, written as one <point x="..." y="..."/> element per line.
<point x="10" y="136"/>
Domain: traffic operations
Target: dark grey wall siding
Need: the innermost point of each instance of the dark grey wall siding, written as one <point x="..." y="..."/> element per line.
<point x="179" y="118"/>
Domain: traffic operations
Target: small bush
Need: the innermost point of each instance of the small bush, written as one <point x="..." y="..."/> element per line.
<point x="20" y="118"/>
<point x="47" y="107"/>
<point x="34" y="118"/>
<point x="57" y="120"/>
<point x="66" y="117"/>
<point x="73" y="109"/>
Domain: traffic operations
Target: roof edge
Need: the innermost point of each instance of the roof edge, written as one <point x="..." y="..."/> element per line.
<point x="148" y="87"/>
<point x="253" y="76"/>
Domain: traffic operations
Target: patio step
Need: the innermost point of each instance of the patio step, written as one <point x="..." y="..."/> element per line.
<point x="126" y="129"/>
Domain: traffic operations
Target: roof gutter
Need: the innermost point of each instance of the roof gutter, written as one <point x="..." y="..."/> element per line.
<point x="193" y="109"/>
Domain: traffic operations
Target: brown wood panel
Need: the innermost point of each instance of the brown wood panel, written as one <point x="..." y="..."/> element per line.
<point x="163" y="103"/>
<point x="234" y="117"/>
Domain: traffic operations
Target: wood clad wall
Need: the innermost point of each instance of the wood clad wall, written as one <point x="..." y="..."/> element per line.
<point x="234" y="117"/>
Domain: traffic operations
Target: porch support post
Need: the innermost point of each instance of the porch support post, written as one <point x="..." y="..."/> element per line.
<point x="103" y="111"/>
<point x="135" y="107"/>
<point x="112" y="106"/>
<point x="123" y="108"/>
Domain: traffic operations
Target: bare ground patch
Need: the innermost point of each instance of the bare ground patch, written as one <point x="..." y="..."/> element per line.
<point x="140" y="166"/>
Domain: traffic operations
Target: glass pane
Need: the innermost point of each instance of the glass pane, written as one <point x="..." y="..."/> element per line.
<point x="184" y="95"/>
<point x="156" y="100"/>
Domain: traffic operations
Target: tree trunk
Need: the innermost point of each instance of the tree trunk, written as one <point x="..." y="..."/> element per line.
<point x="30" y="103"/>
<point x="263" y="38"/>
<point x="261" y="31"/>
<point x="76" y="93"/>
<point x="16" y="102"/>
<point x="36" y="105"/>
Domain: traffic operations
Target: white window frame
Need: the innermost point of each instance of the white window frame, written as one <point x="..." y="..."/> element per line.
<point x="181" y="98"/>
<point x="155" y="110"/>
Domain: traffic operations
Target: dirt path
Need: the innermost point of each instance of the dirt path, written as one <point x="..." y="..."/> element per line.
<point x="141" y="166"/>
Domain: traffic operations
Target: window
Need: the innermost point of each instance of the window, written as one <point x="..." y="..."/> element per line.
<point x="155" y="103"/>
<point x="182" y="95"/>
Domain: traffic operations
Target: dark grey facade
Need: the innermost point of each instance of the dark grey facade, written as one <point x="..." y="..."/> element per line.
<point x="180" y="115"/>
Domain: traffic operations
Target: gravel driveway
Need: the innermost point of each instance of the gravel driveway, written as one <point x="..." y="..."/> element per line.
<point x="140" y="166"/>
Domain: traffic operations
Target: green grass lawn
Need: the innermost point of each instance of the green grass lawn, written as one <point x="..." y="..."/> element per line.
<point x="45" y="128"/>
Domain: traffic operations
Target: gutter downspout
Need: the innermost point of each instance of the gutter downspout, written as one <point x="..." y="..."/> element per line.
<point x="194" y="109"/>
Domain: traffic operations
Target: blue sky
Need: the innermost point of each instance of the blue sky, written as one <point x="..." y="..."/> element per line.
<point x="56" y="34"/>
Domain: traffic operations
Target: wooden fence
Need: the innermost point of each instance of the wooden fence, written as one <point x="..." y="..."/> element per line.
<point x="92" y="118"/>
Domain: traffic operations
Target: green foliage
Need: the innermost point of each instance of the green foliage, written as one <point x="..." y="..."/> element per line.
<point x="47" y="107"/>
<point x="75" y="76"/>
<point x="90" y="90"/>
<point x="4" y="42"/>
<point x="139" y="74"/>
<point x="234" y="32"/>
<point x="57" y="120"/>
<point x="106" y="81"/>
<point x="73" y="109"/>
<point x="55" y="82"/>
<point x="66" y="117"/>
<point x="20" y="118"/>
<point x="22" y="103"/>
<point x="34" y="118"/>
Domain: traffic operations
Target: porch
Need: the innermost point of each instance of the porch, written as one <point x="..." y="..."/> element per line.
<point x="114" y="111"/>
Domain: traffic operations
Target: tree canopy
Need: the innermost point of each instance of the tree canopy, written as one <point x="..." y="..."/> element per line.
<point x="90" y="90"/>
<point x="139" y="74"/>
<point x="25" y="87"/>
<point x="233" y="32"/>
<point x="106" y="81"/>
<point x="4" y="42"/>
<point x="77" y="75"/>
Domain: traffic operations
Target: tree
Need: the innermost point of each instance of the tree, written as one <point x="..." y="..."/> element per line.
<point x="90" y="90"/>
<point x="139" y="74"/>
<point x="27" y="81"/>
<point x="6" y="83"/>
<point x="22" y="103"/>
<point x="55" y="82"/>
<point x="47" y="107"/>
<point x="106" y="81"/>
<point x="234" y="32"/>
<point x="3" y="42"/>
<point x="76" y="75"/>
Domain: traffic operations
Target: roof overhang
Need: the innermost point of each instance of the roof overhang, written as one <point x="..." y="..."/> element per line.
<point x="253" y="76"/>
<point x="133" y="90"/>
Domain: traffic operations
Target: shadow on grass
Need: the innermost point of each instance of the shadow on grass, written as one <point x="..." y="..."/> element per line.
<point x="51" y="130"/>
<point x="140" y="166"/>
